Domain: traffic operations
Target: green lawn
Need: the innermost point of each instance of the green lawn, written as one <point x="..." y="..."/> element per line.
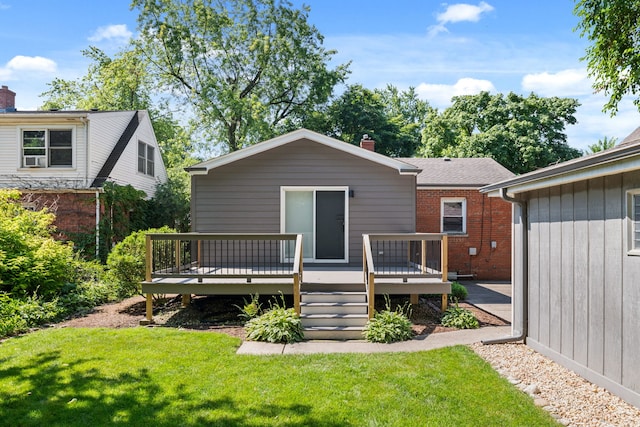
<point x="168" y="377"/>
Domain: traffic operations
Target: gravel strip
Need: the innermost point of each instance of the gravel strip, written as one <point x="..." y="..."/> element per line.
<point x="571" y="400"/>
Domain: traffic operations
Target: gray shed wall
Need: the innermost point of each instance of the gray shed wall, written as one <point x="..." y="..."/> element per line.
<point x="244" y="196"/>
<point x="584" y="290"/>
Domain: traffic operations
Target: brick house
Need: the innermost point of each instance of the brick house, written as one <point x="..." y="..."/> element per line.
<point x="448" y="200"/>
<point x="60" y="160"/>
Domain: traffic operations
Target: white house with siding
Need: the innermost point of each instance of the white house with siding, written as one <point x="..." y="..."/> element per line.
<point x="62" y="159"/>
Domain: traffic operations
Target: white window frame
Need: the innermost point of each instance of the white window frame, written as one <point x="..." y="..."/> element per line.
<point x="145" y="158"/>
<point x="632" y="215"/>
<point x="44" y="160"/>
<point x="462" y="200"/>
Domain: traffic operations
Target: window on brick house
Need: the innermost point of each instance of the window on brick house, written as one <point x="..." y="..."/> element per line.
<point x="633" y="213"/>
<point x="453" y="214"/>
<point x="42" y="148"/>
<point x="146" y="163"/>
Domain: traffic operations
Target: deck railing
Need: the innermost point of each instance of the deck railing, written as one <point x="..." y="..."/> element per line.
<point x="225" y="256"/>
<point x="405" y="256"/>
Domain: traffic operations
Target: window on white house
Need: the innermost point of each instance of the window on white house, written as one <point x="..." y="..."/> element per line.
<point x="453" y="213"/>
<point x="47" y="148"/>
<point x="146" y="163"/>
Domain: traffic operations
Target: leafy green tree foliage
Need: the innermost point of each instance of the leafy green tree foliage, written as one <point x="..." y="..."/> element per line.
<point x="394" y="119"/>
<point x="244" y="66"/>
<point x="601" y="145"/>
<point x="613" y="58"/>
<point x="31" y="262"/>
<point x="520" y="133"/>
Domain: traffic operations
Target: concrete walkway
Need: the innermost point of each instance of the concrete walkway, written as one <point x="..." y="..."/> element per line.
<point x="493" y="297"/>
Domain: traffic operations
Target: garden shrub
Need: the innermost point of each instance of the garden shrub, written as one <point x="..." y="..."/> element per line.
<point x="278" y="324"/>
<point x="388" y="325"/>
<point x="460" y="318"/>
<point x="31" y="261"/>
<point x="126" y="262"/>
<point x="458" y="292"/>
<point x="19" y="315"/>
<point x="251" y="308"/>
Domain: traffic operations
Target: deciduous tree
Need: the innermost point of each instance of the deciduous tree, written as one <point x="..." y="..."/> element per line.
<point x="245" y="66"/>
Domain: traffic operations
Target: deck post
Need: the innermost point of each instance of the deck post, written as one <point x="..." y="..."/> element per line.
<point x="445" y="303"/>
<point x="445" y="268"/>
<point x="148" y="259"/>
<point x="413" y="299"/>
<point x="149" y="308"/>
<point x="372" y="296"/>
<point x="186" y="299"/>
<point x="296" y="292"/>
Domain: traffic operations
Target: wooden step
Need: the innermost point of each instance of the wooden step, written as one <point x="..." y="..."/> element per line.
<point x="333" y="296"/>
<point x="333" y="320"/>
<point x="333" y="333"/>
<point x="333" y="308"/>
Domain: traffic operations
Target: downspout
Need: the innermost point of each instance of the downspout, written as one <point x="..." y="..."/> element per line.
<point x="525" y="271"/>
<point x="97" y="224"/>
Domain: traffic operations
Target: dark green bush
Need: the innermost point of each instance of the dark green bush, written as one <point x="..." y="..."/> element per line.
<point x="388" y="325"/>
<point x="458" y="292"/>
<point x="126" y="262"/>
<point x="19" y="315"/>
<point x="278" y="324"/>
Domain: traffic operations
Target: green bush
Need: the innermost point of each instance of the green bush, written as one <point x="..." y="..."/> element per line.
<point x="126" y="262"/>
<point x="19" y="315"/>
<point x="31" y="262"/>
<point x="278" y="324"/>
<point x="458" y="292"/>
<point x="251" y="308"/>
<point x="388" y="325"/>
<point x="460" y="318"/>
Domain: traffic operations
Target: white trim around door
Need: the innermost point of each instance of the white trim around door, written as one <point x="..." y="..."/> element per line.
<point x="304" y="201"/>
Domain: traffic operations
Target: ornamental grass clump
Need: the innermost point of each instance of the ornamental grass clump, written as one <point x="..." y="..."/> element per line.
<point x="460" y="318"/>
<point x="388" y="325"/>
<point x="278" y="324"/>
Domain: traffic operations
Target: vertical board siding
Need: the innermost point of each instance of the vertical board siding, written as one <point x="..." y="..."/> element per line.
<point x="630" y="304"/>
<point x="596" y="275"/>
<point x="580" y="272"/>
<point x="244" y="196"/>
<point x="555" y="269"/>
<point x="614" y="252"/>
<point x="567" y="271"/>
<point x="584" y="290"/>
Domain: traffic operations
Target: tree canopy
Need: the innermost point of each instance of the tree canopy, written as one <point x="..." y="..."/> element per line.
<point x="613" y="58"/>
<point x="520" y="133"/>
<point x="245" y="66"/>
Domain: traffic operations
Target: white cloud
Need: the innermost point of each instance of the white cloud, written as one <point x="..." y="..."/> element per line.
<point x="31" y="63"/>
<point x="4" y="6"/>
<point x="111" y="32"/>
<point x="440" y="95"/>
<point x="569" y="82"/>
<point x="461" y="12"/>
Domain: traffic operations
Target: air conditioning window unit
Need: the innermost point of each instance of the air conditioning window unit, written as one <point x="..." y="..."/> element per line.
<point x="35" y="161"/>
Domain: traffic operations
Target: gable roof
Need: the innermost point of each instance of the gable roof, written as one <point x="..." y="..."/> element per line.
<point x="458" y="172"/>
<point x="117" y="151"/>
<point x="622" y="158"/>
<point x="204" y="167"/>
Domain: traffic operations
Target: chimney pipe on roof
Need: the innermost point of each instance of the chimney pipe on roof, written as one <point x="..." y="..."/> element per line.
<point x="7" y="100"/>
<point x="367" y="143"/>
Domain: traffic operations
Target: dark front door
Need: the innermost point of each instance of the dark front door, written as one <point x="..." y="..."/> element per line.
<point x="330" y="225"/>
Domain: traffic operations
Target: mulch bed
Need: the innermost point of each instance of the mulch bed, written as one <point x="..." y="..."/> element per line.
<point x="220" y="314"/>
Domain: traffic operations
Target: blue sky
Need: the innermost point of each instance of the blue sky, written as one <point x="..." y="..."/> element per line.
<point x="441" y="49"/>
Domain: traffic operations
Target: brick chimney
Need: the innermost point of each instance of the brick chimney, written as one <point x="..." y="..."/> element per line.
<point x="7" y="99"/>
<point x="367" y="143"/>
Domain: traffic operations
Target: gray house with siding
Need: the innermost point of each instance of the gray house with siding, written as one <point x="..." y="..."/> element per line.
<point x="577" y="264"/>
<point x="304" y="182"/>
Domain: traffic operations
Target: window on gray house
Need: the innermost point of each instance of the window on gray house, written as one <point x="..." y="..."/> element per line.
<point x="146" y="163"/>
<point x="636" y="221"/>
<point x="47" y="148"/>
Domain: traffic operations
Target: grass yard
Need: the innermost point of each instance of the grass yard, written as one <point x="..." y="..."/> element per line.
<point x="168" y="377"/>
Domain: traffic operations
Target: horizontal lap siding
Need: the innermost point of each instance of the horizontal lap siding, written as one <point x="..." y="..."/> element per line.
<point x="584" y="291"/>
<point x="244" y="196"/>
